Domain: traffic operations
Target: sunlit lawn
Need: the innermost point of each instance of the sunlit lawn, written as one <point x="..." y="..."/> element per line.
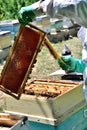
<point x="46" y="63"/>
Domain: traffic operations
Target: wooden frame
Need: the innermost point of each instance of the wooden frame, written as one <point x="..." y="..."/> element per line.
<point x="20" y="60"/>
<point x="8" y="120"/>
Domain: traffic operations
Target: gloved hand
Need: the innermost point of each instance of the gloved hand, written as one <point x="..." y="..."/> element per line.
<point x="26" y="15"/>
<point x="71" y="64"/>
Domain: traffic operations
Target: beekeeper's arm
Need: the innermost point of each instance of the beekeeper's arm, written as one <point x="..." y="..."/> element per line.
<point x="73" y="9"/>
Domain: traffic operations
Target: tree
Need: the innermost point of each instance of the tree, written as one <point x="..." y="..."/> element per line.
<point x="9" y="8"/>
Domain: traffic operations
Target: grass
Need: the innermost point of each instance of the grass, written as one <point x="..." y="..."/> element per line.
<point x="46" y="63"/>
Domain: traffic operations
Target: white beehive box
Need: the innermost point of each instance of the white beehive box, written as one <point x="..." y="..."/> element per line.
<point x="54" y="108"/>
<point x="5" y="37"/>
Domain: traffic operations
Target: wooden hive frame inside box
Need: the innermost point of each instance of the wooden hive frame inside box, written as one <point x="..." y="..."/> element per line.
<point x="20" y="60"/>
<point x="8" y="120"/>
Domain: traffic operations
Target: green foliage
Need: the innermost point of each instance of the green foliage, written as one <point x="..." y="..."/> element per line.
<point x="9" y="8"/>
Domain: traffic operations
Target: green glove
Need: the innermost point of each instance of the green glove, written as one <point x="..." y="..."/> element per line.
<point x="26" y="15"/>
<point x="72" y="64"/>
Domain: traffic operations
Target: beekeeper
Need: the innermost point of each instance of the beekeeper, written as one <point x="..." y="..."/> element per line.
<point x="73" y="9"/>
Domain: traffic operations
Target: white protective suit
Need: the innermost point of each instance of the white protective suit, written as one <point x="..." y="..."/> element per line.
<point x="77" y="11"/>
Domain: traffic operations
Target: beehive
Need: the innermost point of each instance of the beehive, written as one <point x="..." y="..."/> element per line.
<point x="8" y="120"/>
<point x="5" y="39"/>
<point x="46" y="106"/>
<point x="46" y="99"/>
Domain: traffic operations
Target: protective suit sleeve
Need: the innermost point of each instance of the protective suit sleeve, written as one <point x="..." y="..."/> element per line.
<point x="71" y="64"/>
<point x="82" y="34"/>
<point x="73" y="9"/>
<point x="85" y="83"/>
